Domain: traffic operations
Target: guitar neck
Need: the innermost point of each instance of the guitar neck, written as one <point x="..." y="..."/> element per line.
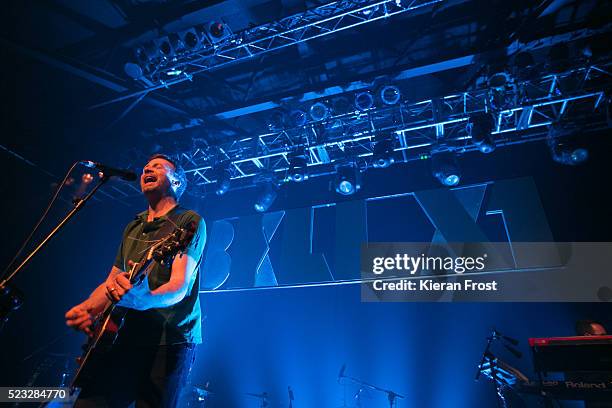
<point x="140" y="270"/>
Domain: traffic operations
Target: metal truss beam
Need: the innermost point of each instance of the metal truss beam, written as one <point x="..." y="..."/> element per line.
<point x="321" y="21"/>
<point x="522" y="111"/>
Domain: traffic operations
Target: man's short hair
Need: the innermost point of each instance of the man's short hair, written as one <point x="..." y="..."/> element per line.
<point x="584" y="327"/>
<point x="179" y="173"/>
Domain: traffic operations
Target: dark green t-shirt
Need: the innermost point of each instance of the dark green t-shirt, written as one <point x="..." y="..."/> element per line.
<point x="179" y="323"/>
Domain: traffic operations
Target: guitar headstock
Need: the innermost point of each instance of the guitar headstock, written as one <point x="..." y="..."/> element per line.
<point x="175" y="242"/>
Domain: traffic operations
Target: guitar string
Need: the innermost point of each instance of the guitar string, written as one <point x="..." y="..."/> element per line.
<point x="154" y="242"/>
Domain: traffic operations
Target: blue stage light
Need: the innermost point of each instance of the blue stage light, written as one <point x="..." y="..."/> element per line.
<point x="346" y="187"/>
<point x="347" y="180"/>
<point x="224" y="181"/>
<point x="569" y="156"/>
<point x="482" y="125"/>
<point x="563" y="145"/>
<point x="276" y="121"/>
<point x="266" y="197"/>
<point x="319" y="111"/>
<point x="451" y="180"/>
<point x="298" y="168"/>
<point x="390" y="94"/>
<point x="298" y="117"/>
<point x="168" y="45"/>
<point x="383" y="152"/>
<point x="190" y="38"/>
<point x="445" y="168"/>
<point x="364" y="101"/>
<point x="579" y="155"/>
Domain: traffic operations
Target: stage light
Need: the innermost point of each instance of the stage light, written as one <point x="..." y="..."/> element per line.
<point x="168" y="45"/>
<point x="390" y="94"/>
<point x="364" y="101"/>
<point x="368" y="11"/>
<point x="217" y="31"/>
<point x="499" y="80"/>
<point x="563" y="146"/>
<point x="276" y="121"/>
<point x="133" y="70"/>
<point x="482" y="125"/>
<point x="87" y="178"/>
<point x="190" y="38"/>
<point x="298" y="167"/>
<point x="224" y="180"/>
<point x="298" y="117"/>
<point x="266" y="197"/>
<point x="524" y="64"/>
<point x="319" y="111"/>
<point x="444" y="167"/>
<point x="342" y="105"/>
<point x="146" y="52"/>
<point x="347" y="180"/>
<point x="383" y="152"/>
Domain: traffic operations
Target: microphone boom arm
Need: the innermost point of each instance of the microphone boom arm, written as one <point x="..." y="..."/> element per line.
<point x="78" y="205"/>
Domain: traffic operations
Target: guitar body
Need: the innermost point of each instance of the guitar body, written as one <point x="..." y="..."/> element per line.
<point x="105" y="329"/>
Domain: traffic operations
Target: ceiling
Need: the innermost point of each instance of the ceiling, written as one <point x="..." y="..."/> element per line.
<point x="68" y="60"/>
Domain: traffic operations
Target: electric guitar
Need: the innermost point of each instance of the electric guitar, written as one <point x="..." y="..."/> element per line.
<point x="107" y="324"/>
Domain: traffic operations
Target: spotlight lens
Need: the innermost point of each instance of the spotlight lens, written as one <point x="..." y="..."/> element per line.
<point x="299" y="118"/>
<point x="223" y="187"/>
<point x="486" y="148"/>
<point x="217" y="29"/>
<point x="364" y="101"/>
<point x="390" y="95"/>
<point x="382" y="162"/>
<point x="191" y="40"/>
<point x="580" y="156"/>
<point x="451" y="180"/>
<point x="266" y="199"/>
<point x="319" y="111"/>
<point x="346" y="187"/>
<point x="165" y="48"/>
<point x="260" y="207"/>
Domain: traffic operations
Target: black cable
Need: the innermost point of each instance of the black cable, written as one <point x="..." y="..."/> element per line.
<point x="42" y="218"/>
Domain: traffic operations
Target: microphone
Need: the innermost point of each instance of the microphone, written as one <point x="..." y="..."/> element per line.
<point x="514" y="351"/>
<point x="127" y="175"/>
<point x="509" y="339"/>
<point x="341" y="373"/>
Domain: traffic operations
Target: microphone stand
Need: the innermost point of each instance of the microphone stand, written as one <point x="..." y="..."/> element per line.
<point x="391" y="395"/>
<point x="10" y="299"/>
<point x="495" y="335"/>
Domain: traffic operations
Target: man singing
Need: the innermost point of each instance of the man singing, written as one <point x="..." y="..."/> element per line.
<point x="154" y="350"/>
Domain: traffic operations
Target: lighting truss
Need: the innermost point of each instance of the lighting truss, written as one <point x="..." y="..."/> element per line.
<point x="321" y="21"/>
<point x="526" y="109"/>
